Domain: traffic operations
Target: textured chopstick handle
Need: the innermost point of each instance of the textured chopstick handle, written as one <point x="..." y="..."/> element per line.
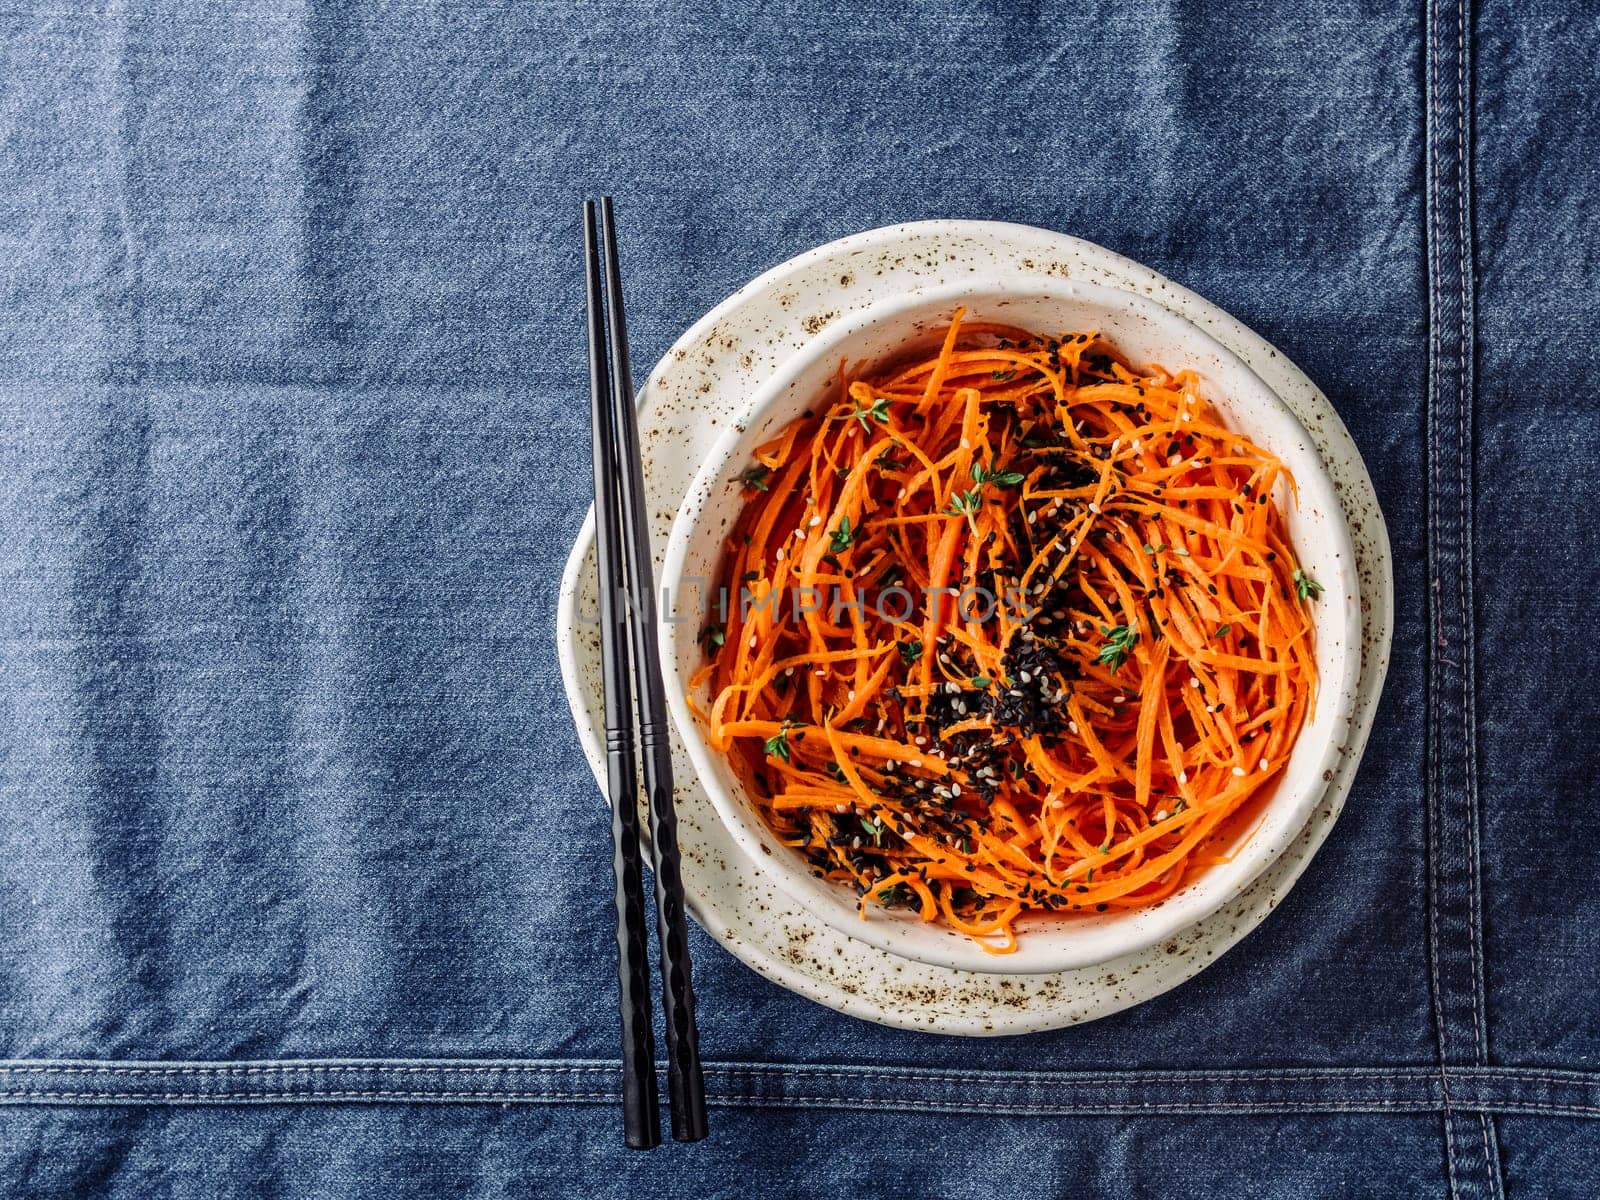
<point x="685" y="1079"/>
<point x="684" y="1075"/>
<point x="641" y="1115"/>
<point x="640" y="1102"/>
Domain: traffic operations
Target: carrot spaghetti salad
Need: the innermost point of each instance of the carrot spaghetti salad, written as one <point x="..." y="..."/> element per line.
<point x="1007" y="628"/>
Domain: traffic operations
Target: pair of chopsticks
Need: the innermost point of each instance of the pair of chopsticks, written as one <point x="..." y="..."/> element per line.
<point x="628" y="640"/>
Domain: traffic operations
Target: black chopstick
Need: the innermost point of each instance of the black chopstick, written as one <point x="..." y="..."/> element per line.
<point x="685" y="1080"/>
<point x="641" y="1120"/>
<point x="628" y="637"/>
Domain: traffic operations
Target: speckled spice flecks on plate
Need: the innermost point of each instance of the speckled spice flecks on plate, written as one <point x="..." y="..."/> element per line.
<point x="699" y="386"/>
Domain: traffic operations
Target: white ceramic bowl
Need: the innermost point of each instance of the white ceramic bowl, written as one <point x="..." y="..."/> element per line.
<point x="1143" y="332"/>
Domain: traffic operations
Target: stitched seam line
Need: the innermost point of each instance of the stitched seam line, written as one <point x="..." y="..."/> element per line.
<point x="1465" y="450"/>
<point x="375" y="1068"/>
<point x="910" y="1074"/>
<point x="1464" y="467"/>
<point x="1332" y="1104"/>
<point x="1434" y="765"/>
<point x="1553" y="1077"/>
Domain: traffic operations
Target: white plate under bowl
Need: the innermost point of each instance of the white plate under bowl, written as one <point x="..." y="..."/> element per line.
<point x="699" y="388"/>
<point x="1145" y="333"/>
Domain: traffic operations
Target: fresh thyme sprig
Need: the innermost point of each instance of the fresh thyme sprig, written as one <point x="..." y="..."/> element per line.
<point x="1306" y="587"/>
<point x="1119" y="644"/>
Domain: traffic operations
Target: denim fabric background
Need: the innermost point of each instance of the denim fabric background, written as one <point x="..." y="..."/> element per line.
<point x="302" y="876"/>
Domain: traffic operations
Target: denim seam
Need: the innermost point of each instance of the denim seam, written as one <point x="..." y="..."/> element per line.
<point x="1559" y="1077"/>
<point x="1454" y="843"/>
<point x="1466" y="381"/>
<point x="909" y="1074"/>
<point x="1411" y="1089"/>
<point x="1308" y="1105"/>
<point x="1432" y="762"/>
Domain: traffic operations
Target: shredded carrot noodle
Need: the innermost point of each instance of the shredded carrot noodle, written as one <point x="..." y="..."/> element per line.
<point x="1012" y="628"/>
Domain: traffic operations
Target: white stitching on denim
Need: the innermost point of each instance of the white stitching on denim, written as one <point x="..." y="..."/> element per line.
<point x="1354" y="1105"/>
<point x="350" y="1094"/>
<point x="1464" y="463"/>
<point x="1433" y="767"/>
<point x="725" y="1100"/>
<point x="376" y="1067"/>
<point x="907" y="1074"/>
<point x="1113" y="1107"/>
<point x="1087" y="1079"/>
<point x="1550" y="1077"/>
<point x="1531" y="1075"/>
<point x="1469" y="742"/>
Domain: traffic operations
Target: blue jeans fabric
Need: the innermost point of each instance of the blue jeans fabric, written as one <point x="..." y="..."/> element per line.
<point x="302" y="876"/>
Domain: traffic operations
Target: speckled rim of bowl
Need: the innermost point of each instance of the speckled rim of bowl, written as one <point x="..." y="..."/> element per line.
<point x="1045" y="945"/>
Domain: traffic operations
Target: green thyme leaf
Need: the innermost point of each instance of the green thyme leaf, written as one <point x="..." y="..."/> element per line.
<point x="840" y="539"/>
<point x="756" y="477"/>
<point x="778" y="744"/>
<point x="1306" y="587"/>
<point x="877" y="411"/>
<point x="1119" y="644"/>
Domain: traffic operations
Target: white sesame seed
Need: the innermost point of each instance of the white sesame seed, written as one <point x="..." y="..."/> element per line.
<point x="966" y="445"/>
<point x="1025" y="676"/>
<point x="1183" y="777"/>
<point x="1193" y="682"/>
<point x="1116" y="444"/>
<point x="1188" y="416"/>
<point x="851" y="695"/>
<point x="752" y="641"/>
<point x="1094" y="508"/>
<point x="788" y="670"/>
<point x="819" y="672"/>
<point x="1263" y="764"/>
<point x="1073" y="726"/>
<point x="1238" y="770"/>
<point x="838" y="808"/>
<point x="1161" y="814"/>
<point x="917" y="762"/>
<point x="778" y="557"/>
<point x="1033" y="517"/>
<point x="814" y="522"/>
<point x="1174" y="460"/>
<point x="955" y="789"/>
<point x="921" y="741"/>
<point x="1119" y="699"/>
